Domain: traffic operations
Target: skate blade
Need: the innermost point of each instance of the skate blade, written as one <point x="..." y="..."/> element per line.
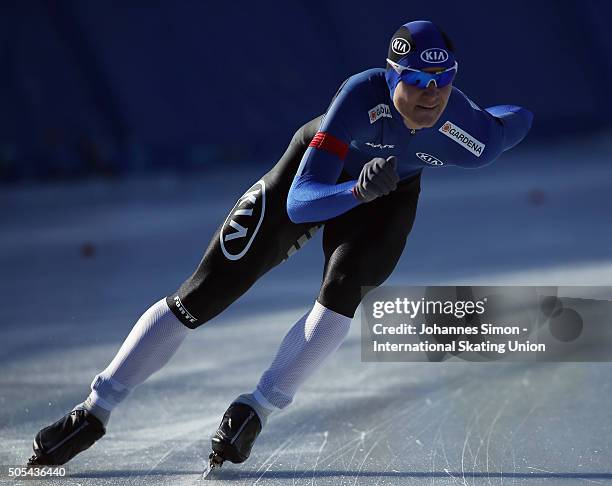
<point x="33" y="462"/>
<point x="215" y="462"/>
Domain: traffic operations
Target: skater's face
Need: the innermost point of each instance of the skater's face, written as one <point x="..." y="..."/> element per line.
<point x="419" y="107"/>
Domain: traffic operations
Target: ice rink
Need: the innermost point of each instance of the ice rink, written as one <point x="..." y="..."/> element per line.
<point x="80" y="262"/>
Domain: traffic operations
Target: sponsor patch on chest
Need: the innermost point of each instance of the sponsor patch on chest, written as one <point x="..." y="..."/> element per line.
<point x="463" y="138"/>
<point x="429" y="159"/>
<point x="379" y="111"/>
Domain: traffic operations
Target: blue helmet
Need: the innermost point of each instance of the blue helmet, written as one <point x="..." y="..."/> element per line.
<point x="418" y="45"/>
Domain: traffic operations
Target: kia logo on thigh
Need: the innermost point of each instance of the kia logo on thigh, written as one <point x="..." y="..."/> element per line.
<point x="243" y="222"/>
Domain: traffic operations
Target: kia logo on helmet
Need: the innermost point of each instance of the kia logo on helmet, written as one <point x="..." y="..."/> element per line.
<point x="429" y="159"/>
<point x="400" y="46"/>
<point x="243" y="222"/>
<point x="435" y="55"/>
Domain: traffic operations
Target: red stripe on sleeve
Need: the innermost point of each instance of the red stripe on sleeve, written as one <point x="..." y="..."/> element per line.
<point x="329" y="143"/>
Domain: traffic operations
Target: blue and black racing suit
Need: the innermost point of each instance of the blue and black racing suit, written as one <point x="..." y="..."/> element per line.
<point x="312" y="184"/>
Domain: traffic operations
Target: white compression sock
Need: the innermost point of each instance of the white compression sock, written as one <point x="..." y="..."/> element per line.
<point x="152" y="342"/>
<point x="312" y="339"/>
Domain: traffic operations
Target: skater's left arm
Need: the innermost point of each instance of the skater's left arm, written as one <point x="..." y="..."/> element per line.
<point x="496" y="128"/>
<point x="516" y="122"/>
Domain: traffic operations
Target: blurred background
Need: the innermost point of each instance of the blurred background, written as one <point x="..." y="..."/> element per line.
<point x="123" y="87"/>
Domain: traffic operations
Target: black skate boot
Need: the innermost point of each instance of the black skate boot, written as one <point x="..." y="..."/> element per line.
<point x="235" y="436"/>
<point x="61" y="441"/>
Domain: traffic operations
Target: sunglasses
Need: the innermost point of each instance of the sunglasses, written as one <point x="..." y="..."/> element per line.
<point x="421" y="79"/>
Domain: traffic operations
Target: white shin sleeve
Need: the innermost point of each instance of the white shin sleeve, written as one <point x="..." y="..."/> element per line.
<point x="152" y="342"/>
<point x="314" y="337"/>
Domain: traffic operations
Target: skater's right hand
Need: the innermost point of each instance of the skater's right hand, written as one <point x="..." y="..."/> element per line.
<point x="378" y="177"/>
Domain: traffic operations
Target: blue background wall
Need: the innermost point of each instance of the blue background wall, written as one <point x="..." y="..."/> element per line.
<point x="120" y="87"/>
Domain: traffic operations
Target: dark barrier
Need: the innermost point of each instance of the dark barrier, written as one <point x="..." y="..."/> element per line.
<point x="107" y="87"/>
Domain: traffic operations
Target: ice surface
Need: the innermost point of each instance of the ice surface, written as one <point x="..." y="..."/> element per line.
<point x="540" y="216"/>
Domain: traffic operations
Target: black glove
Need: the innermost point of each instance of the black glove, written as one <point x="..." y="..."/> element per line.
<point x="378" y="178"/>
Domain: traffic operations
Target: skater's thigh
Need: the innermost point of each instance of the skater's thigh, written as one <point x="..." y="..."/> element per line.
<point x="363" y="246"/>
<point x="256" y="235"/>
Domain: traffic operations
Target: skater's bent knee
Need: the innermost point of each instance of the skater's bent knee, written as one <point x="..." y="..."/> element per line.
<point x="193" y="306"/>
<point x="202" y="297"/>
<point x="181" y="312"/>
<point x="340" y="295"/>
